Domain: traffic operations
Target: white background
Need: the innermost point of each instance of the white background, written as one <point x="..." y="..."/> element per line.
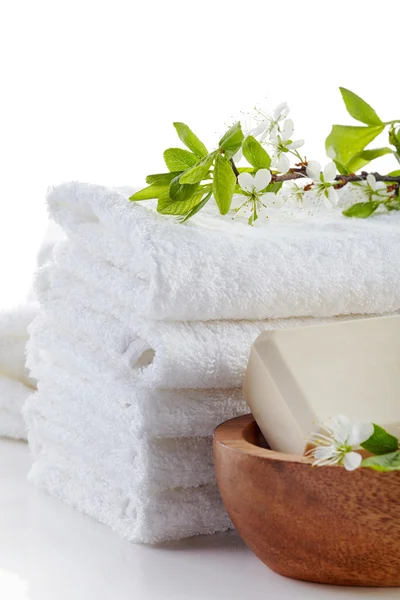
<point x="89" y="88"/>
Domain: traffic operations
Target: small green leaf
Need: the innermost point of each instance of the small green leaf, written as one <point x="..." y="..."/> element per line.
<point x="395" y="173"/>
<point x="363" y="158"/>
<point x="169" y="206"/>
<point x="190" y="140"/>
<point x="384" y="462"/>
<point x="199" y="171"/>
<point x="196" y="208"/>
<point x="223" y="184"/>
<point x="246" y="170"/>
<point x="232" y="140"/>
<point x="381" y="442"/>
<point x="161" y="178"/>
<point x="348" y="141"/>
<point x="274" y="187"/>
<point x="181" y="192"/>
<point x="361" y="210"/>
<point x="255" y="153"/>
<point x="152" y="191"/>
<point x="178" y="159"/>
<point x="359" y="109"/>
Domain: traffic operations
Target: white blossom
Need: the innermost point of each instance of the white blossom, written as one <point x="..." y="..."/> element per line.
<point x="373" y="189"/>
<point x="282" y="145"/>
<point x="254" y="185"/>
<point x="336" y="441"/>
<point x="324" y="181"/>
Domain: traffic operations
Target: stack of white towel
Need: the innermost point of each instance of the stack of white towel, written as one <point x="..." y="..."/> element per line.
<point x="143" y="339"/>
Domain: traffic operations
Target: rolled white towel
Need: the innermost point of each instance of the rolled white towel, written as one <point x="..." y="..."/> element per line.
<point x="212" y="268"/>
<point x="168" y="515"/>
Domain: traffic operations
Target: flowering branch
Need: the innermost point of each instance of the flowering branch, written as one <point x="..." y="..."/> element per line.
<point x="268" y="145"/>
<point x="338" y="442"/>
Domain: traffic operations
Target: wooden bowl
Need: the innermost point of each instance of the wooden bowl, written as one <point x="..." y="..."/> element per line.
<point x="321" y="524"/>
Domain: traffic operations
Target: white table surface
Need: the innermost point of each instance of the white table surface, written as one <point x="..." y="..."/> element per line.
<point x="48" y="551"/>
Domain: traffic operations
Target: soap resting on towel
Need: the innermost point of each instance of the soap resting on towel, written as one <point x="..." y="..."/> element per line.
<point x="214" y="269"/>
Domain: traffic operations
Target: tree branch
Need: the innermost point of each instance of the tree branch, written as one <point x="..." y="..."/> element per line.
<point x="301" y="174"/>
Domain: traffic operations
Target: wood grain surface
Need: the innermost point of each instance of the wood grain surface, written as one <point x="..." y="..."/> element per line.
<point x="321" y="524"/>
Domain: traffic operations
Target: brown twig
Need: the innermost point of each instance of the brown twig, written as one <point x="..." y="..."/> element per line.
<point x="301" y="174"/>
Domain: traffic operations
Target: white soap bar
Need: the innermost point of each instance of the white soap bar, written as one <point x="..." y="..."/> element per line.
<point x="298" y="377"/>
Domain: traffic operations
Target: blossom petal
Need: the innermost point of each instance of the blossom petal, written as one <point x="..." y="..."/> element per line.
<point x="341" y="428"/>
<point x="260" y="128"/>
<point x="262" y="179"/>
<point x="371" y="181"/>
<point x="360" y="433"/>
<point x="296" y="144"/>
<point x="288" y="128"/>
<point x="246" y="182"/>
<point x="283" y="163"/>
<point x="333" y="196"/>
<point x="274" y="134"/>
<point x="330" y="171"/>
<point x="331" y="152"/>
<point x="238" y="156"/>
<point x="281" y="111"/>
<point x="313" y="170"/>
<point x="274" y="200"/>
<point x="352" y="460"/>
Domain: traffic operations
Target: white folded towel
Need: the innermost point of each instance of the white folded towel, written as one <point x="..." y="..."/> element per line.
<point x="214" y="269"/>
<point x="143" y="411"/>
<point x="13" y="395"/>
<point x="169" y="515"/>
<point x="155" y="354"/>
<point x="180" y="355"/>
<point x="140" y="466"/>
<point x="15" y="382"/>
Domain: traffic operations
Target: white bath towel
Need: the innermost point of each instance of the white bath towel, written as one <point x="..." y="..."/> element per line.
<point x="169" y="515"/>
<point x="13" y="395"/>
<point x="143" y="411"/>
<point x="139" y="466"/>
<point x="212" y="268"/>
<point x="156" y="354"/>
<point x="15" y="382"/>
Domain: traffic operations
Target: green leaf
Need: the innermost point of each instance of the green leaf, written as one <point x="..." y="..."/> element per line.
<point x="161" y="178"/>
<point x="361" y="210"/>
<point x="363" y="158"/>
<point x="348" y="141"/>
<point x="190" y="140"/>
<point x="181" y="192"/>
<point x="232" y="140"/>
<point x="196" y="208"/>
<point x="169" y="206"/>
<point x="381" y="442"/>
<point x="223" y="184"/>
<point x="246" y="170"/>
<point x="359" y="109"/>
<point x="153" y="191"/>
<point x="395" y="173"/>
<point x="178" y="159"/>
<point x="199" y="171"/>
<point x="255" y="153"/>
<point x="274" y="187"/>
<point x="384" y="462"/>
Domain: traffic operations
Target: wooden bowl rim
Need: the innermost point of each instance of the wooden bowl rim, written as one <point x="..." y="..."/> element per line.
<point x="236" y="432"/>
